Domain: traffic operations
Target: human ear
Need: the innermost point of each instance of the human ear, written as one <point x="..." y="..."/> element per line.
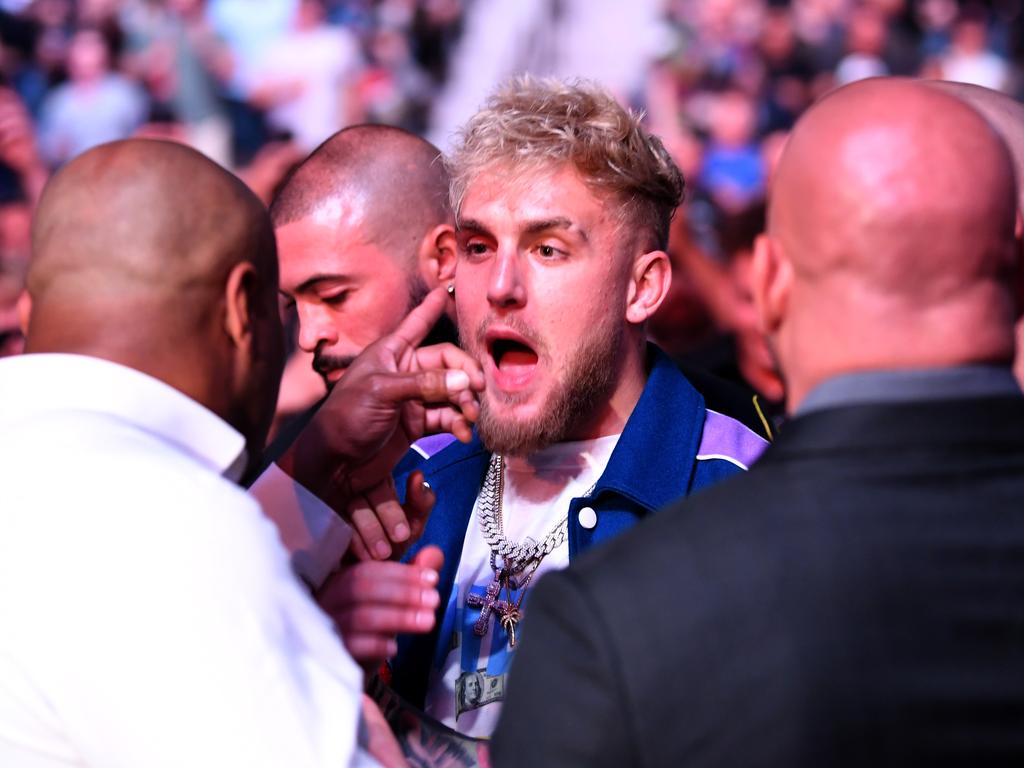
<point x="24" y="308"/>
<point x="240" y="300"/>
<point x="437" y="255"/>
<point x="771" y="279"/>
<point x="648" y="285"/>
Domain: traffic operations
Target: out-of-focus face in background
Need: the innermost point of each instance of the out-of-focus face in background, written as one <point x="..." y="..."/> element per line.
<point x="88" y="56"/>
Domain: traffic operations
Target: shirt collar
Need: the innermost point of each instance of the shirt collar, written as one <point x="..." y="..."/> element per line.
<point x="916" y="384"/>
<point x="34" y="384"/>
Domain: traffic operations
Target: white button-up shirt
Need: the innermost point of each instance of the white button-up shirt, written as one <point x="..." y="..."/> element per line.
<point x="148" y="615"/>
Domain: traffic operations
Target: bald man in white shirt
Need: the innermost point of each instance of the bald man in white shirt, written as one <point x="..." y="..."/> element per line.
<point x="151" y="617"/>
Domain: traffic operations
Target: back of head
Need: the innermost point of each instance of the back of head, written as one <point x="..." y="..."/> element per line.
<point x="1006" y="115"/>
<point x="530" y="124"/>
<point x="892" y="217"/>
<point x="394" y="181"/>
<point x="136" y="245"/>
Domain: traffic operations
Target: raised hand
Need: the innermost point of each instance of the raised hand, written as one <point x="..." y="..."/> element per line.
<point x="390" y="396"/>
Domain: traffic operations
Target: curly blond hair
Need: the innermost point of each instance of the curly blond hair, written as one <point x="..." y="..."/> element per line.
<point x="531" y="123"/>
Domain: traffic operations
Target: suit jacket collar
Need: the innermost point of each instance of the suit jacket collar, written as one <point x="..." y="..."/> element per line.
<point x="893" y="426"/>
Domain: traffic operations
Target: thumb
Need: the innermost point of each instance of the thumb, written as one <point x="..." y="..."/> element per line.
<point x="426" y="386"/>
<point x="429" y="557"/>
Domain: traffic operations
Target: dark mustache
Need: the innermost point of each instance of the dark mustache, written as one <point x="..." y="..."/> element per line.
<point x="324" y="363"/>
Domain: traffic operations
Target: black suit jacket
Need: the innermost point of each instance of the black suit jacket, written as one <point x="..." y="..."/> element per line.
<point x="857" y="598"/>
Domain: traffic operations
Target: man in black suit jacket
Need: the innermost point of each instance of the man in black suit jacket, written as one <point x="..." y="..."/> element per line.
<point x="858" y="597"/>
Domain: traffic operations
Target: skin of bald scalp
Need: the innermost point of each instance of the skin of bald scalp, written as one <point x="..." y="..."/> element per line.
<point x="360" y="226"/>
<point x="1007" y="116"/>
<point x="890" y="239"/>
<point x="147" y="254"/>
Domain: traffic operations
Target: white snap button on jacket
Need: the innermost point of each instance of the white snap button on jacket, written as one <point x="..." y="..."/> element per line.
<point x="588" y="517"/>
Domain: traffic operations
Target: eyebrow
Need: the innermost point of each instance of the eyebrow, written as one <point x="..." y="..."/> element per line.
<point x="531" y="227"/>
<point x="311" y="282"/>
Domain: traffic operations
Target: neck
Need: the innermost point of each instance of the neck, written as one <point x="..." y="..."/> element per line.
<point x="610" y="415"/>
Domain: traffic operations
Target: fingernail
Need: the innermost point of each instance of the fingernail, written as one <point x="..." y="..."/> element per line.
<point x="392" y="649"/>
<point x="429" y="576"/>
<point x="424" y="618"/>
<point x="456" y="381"/>
<point x="382" y="549"/>
<point x="400" y="532"/>
<point x="430" y="598"/>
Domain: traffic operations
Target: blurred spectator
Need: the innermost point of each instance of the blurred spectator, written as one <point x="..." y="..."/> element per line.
<point x="96" y="105"/>
<point x="392" y="89"/>
<point x="788" y="69"/>
<point x="733" y="172"/>
<point x="865" y="45"/>
<point x="248" y="28"/>
<point x="304" y="79"/>
<point x="175" y="52"/>
<point x="22" y="173"/>
<point x="969" y="58"/>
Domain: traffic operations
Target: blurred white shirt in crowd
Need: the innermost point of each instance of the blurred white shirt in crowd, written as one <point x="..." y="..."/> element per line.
<point x="150" y="617"/>
<point x="314" y="67"/>
<point x="78" y="117"/>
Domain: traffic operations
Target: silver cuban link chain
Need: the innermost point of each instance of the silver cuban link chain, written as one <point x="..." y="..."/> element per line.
<point x="515" y="556"/>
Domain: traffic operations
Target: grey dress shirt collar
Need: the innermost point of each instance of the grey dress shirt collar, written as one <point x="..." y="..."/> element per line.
<point x="901" y="386"/>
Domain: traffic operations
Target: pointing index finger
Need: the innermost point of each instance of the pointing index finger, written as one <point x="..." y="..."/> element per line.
<point x="418" y="323"/>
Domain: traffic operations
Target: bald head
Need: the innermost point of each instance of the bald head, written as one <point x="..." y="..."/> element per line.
<point x="892" y="215"/>
<point x="145" y="223"/>
<point x="1004" y="113"/>
<point x="391" y="179"/>
<point x="148" y="254"/>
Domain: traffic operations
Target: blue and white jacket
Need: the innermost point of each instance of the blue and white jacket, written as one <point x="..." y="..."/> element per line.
<point x="671" y="446"/>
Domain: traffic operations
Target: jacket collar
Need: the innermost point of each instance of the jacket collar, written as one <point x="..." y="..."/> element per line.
<point x="652" y="462"/>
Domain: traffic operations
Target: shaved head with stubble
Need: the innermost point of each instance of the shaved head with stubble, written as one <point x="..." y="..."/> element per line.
<point x="890" y="239"/>
<point x="147" y="254"/>
<point x="362" y="227"/>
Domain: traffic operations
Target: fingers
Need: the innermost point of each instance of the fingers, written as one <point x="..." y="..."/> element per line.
<point x="431" y="558"/>
<point x="363" y="518"/>
<point x="383" y="524"/>
<point x="389" y="512"/>
<point x="372" y="602"/>
<point x="418" y="323"/>
<point x="450" y="357"/>
<point x="419" y="500"/>
<point x="431" y="386"/>
<point x="447" y="419"/>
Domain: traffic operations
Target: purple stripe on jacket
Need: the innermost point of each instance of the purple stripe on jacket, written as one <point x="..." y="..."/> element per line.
<point x="432" y="444"/>
<point x="727" y="439"/>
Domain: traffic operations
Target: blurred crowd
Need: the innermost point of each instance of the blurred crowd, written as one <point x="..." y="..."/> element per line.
<point x="257" y="84"/>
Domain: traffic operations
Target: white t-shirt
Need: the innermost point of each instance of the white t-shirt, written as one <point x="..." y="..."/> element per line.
<point x="467" y="692"/>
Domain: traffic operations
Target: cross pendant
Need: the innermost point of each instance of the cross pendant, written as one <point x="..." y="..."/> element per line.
<point x="487" y="604"/>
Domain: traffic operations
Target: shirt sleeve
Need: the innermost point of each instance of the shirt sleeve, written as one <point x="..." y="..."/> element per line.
<point x="310" y="530"/>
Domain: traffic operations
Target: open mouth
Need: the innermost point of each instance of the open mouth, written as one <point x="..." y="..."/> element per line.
<point x="514" y="360"/>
